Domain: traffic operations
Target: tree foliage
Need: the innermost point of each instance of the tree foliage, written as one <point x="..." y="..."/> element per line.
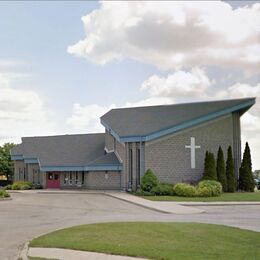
<point x="230" y="172"/>
<point x="6" y="164"/>
<point x="246" y="179"/>
<point x="210" y="172"/>
<point x="149" y="181"/>
<point x="221" y="171"/>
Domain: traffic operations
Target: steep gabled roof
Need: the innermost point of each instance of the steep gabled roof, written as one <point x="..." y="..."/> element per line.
<point x="143" y="123"/>
<point x="65" y="151"/>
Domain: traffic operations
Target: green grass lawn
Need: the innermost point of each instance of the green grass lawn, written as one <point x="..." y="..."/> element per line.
<point x="237" y="196"/>
<point x="157" y="240"/>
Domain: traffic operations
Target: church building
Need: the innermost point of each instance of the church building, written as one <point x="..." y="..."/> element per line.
<point x="171" y="140"/>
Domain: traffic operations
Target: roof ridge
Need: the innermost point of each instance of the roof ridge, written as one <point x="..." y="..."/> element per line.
<point x="186" y="103"/>
<point x="47" y="136"/>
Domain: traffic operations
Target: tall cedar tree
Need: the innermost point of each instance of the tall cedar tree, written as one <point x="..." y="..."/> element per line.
<point x="246" y="179"/>
<point x="210" y="172"/>
<point x="221" y="171"/>
<point x="230" y="172"/>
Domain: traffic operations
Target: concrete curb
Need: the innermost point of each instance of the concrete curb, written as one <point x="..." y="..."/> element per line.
<point x="166" y="208"/>
<point x="68" y="254"/>
<point x="231" y="203"/>
<point x="137" y="204"/>
<point x="23" y="254"/>
<point x="3" y="199"/>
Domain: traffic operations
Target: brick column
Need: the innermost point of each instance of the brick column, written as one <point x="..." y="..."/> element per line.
<point x="134" y="165"/>
<point x="236" y="142"/>
<point x="126" y="166"/>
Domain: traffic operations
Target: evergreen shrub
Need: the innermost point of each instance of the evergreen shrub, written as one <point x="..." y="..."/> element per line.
<point x="149" y="181"/>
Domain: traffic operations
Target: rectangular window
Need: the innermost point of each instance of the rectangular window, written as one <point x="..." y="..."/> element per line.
<point x="70" y="178"/>
<point x="33" y="173"/>
<point x="24" y="173"/>
<point x="20" y="174"/>
<point x="66" y="178"/>
<point x="76" y="178"/>
<point x="83" y="178"/>
<point x="50" y="176"/>
<point x="38" y="176"/>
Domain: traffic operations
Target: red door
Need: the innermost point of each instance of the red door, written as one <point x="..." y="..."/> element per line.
<point x="53" y="180"/>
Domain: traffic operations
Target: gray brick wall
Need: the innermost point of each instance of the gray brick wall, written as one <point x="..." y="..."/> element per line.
<point x="103" y="180"/>
<point x="109" y="141"/>
<point x="170" y="160"/>
<point x="92" y="180"/>
<point x="120" y="150"/>
<point x="18" y="165"/>
<point x="31" y="173"/>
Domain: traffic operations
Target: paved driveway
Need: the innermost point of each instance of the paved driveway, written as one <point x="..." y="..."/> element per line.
<point x="32" y="214"/>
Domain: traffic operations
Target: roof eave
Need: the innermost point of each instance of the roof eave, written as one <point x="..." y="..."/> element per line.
<point x="242" y="108"/>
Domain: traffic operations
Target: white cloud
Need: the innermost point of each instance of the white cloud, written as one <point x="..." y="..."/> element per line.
<point x="173" y="34"/>
<point x="21" y="111"/>
<point x="86" y="118"/>
<point x="179" y="85"/>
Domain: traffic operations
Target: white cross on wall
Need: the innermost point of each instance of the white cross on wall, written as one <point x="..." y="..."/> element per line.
<point x="192" y="148"/>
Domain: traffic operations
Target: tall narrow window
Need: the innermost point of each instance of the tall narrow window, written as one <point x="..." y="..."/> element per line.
<point x="70" y="178"/>
<point x="76" y="178"/>
<point x="65" y="178"/>
<point x="33" y="173"/>
<point x="24" y="173"/>
<point x="130" y="166"/>
<point x="138" y="167"/>
<point x="20" y="174"/>
<point x="82" y="178"/>
<point x="38" y="177"/>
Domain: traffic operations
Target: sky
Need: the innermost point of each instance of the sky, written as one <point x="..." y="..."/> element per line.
<point x="64" y="64"/>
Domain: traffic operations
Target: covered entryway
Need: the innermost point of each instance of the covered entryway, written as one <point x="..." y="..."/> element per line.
<point x="53" y="180"/>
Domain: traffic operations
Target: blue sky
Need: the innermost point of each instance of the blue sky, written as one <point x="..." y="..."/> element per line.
<point x="130" y="60"/>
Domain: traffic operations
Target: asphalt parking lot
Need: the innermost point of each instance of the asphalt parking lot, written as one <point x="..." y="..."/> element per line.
<point x="31" y="214"/>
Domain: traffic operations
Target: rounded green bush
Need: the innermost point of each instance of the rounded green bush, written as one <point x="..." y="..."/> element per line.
<point x="16" y="186"/>
<point x="149" y="181"/>
<point x="25" y="187"/>
<point x="21" y="185"/>
<point x="163" y="189"/>
<point x="4" y="194"/>
<point x="184" y="190"/>
<point x="214" y="186"/>
<point x="204" y="192"/>
<point x="8" y="187"/>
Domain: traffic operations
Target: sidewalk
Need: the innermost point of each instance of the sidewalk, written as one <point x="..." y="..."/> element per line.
<point x="68" y="254"/>
<point x="169" y="207"/>
<point x="220" y="203"/>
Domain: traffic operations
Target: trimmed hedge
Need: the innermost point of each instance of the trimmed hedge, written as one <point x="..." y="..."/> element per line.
<point x="22" y="185"/>
<point x="151" y="186"/>
<point x="209" y="188"/>
<point x="184" y="190"/>
<point x="163" y="189"/>
<point x="4" y="194"/>
<point x="205" y="188"/>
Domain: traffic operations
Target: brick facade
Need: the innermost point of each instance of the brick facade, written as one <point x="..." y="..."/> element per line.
<point x="170" y="160"/>
<point x="166" y="156"/>
<point x="91" y="180"/>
